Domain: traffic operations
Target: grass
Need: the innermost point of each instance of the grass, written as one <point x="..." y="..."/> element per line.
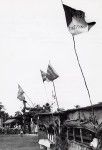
<point x="16" y="142"/>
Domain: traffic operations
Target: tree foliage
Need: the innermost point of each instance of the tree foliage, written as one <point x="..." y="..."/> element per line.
<point x="1" y="106"/>
<point x="47" y="107"/>
<point x="3" y="114"/>
<point x="18" y="113"/>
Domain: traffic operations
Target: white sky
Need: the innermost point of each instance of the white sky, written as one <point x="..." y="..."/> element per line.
<point x="32" y="32"/>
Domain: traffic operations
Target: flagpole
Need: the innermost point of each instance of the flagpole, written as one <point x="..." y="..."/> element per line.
<point x="62" y="2"/>
<point x="43" y="74"/>
<point x="24" y="117"/>
<point x="29" y="99"/>
<point x="82" y="74"/>
<point x="55" y="94"/>
<point x="46" y="92"/>
<point x="81" y="69"/>
<point x="57" y="105"/>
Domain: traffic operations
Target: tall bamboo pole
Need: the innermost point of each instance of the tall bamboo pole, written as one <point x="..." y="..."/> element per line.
<point x="83" y="74"/>
<point x="55" y="94"/>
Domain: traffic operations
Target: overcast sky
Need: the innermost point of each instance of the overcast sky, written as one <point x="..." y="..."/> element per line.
<point x="32" y="32"/>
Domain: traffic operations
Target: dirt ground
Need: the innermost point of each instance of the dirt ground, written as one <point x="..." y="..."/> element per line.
<point x="16" y="142"/>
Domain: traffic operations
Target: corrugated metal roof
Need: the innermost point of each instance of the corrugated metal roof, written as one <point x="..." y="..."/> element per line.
<point x="95" y="106"/>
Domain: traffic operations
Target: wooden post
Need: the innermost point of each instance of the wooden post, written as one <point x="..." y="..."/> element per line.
<point x="81" y="136"/>
<point x="67" y="136"/>
<point x="74" y="134"/>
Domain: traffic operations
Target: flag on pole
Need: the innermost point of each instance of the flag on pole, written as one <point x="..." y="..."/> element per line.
<point x="44" y="76"/>
<point x="51" y="73"/>
<point x="75" y="20"/>
<point x="20" y="94"/>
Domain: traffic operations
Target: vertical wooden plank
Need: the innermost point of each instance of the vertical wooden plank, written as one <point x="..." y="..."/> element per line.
<point x="67" y="136"/>
<point x="74" y="134"/>
<point x="81" y="135"/>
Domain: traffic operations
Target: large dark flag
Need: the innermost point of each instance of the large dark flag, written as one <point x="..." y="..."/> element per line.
<point x="20" y="94"/>
<point x="75" y="20"/>
<point x="51" y="73"/>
